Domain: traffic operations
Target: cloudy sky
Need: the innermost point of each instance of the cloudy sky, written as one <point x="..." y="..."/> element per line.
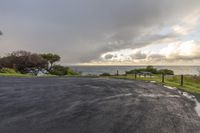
<point x="104" y="32"/>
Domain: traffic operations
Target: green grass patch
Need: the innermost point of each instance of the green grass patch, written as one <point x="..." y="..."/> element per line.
<point x="16" y="75"/>
<point x="191" y="83"/>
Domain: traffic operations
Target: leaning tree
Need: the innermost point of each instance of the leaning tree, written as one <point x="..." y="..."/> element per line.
<point x="51" y="58"/>
<point x="23" y="61"/>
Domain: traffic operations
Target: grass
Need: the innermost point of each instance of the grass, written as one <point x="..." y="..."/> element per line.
<point x="16" y="75"/>
<point x="31" y="75"/>
<point x="23" y="75"/>
<point x="191" y="83"/>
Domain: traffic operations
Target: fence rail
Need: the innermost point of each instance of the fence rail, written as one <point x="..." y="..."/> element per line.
<point x="190" y="83"/>
<point x="162" y="77"/>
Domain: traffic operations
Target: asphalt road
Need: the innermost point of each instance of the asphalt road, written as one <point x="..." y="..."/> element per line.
<point x="92" y="105"/>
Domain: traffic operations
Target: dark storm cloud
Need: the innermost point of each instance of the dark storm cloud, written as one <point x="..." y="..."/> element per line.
<point x="81" y="30"/>
<point x="108" y="56"/>
<point x="157" y="57"/>
<point x="138" y="55"/>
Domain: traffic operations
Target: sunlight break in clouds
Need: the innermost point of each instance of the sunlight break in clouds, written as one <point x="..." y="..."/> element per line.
<point x="177" y="52"/>
<point x="173" y="50"/>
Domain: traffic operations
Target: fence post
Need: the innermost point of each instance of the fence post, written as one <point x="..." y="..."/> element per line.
<point x="117" y="73"/>
<point x="163" y="78"/>
<point x="135" y="75"/>
<point x="181" y="80"/>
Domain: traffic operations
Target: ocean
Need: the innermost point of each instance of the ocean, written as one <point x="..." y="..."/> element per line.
<point x="96" y="70"/>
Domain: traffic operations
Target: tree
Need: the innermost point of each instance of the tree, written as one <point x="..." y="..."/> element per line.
<point x="51" y="58"/>
<point x="151" y="69"/>
<point x="166" y="71"/>
<point x="23" y="61"/>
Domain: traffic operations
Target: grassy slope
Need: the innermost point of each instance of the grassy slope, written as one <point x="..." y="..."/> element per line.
<point x="23" y="75"/>
<point x="16" y="75"/>
<point x="191" y="84"/>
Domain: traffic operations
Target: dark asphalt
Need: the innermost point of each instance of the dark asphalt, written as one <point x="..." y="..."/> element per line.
<point x="92" y="105"/>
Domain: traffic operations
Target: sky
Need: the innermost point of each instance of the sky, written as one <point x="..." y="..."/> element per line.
<point x="104" y="32"/>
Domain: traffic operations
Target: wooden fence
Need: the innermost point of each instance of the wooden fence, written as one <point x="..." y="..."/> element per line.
<point x="163" y="77"/>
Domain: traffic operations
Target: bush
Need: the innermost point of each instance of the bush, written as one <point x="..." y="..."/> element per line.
<point x="72" y="72"/>
<point x="62" y="70"/>
<point x="7" y="70"/>
<point x="105" y="74"/>
<point x="152" y="70"/>
<point x="135" y="71"/>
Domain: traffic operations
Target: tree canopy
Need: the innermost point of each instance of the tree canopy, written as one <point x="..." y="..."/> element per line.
<point x="23" y="60"/>
<point x="51" y="58"/>
<point x="27" y="62"/>
<point x="150" y="69"/>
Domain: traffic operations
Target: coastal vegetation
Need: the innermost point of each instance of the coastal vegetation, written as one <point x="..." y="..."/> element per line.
<point x="51" y="59"/>
<point x="12" y="72"/>
<point x="105" y="74"/>
<point x="151" y="70"/>
<point x="27" y="64"/>
<point x="62" y="70"/>
<point x="23" y="63"/>
<point x="191" y="83"/>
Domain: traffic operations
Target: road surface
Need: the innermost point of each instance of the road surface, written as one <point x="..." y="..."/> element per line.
<point x="93" y="105"/>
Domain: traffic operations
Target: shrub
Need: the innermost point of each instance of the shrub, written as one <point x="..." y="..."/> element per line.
<point x="62" y="70"/>
<point x="152" y="70"/>
<point x="7" y="70"/>
<point x="105" y="74"/>
<point x="72" y="72"/>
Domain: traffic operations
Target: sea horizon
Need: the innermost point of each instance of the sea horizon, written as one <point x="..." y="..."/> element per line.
<point x="96" y="70"/>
